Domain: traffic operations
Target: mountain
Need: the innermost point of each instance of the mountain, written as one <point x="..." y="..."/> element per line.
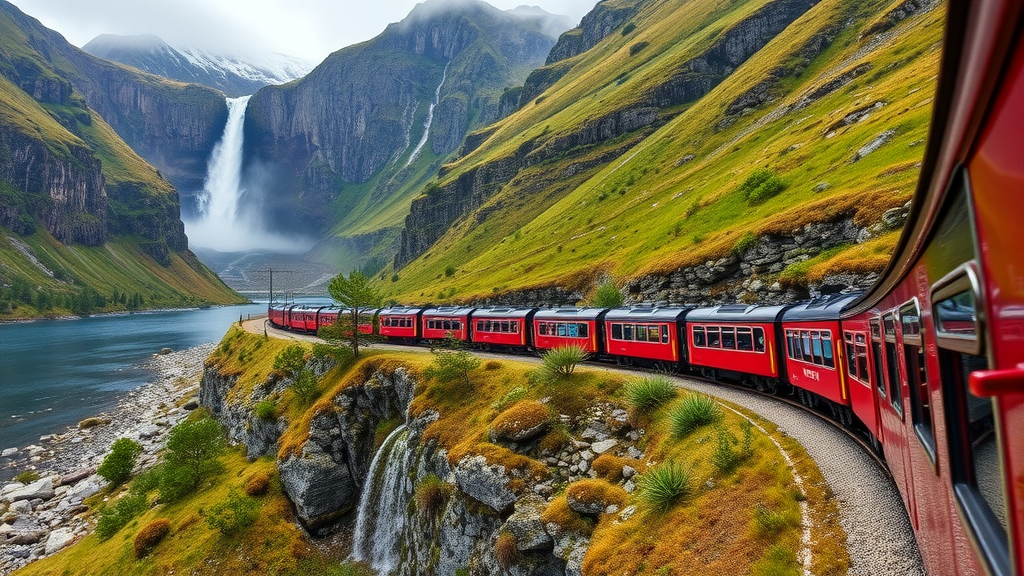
<point x="80" y="212"/>
<point x="341" y="152"/>
<point x="233" y="75"/>
<point x="690" y="151"/>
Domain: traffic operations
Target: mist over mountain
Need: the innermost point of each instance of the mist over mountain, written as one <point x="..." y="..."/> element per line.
<point x="235" y="75"/>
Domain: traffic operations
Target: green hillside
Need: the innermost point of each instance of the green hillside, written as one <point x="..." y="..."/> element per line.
<point x="668" y="195"/>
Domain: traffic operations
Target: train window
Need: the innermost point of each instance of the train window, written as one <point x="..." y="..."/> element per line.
<point x="744" y="339"/>
<point x="627" y="331"/>
<point x="698" y="337"/>
<point x="805" y="346"/>
<point x="664" y="334"/>
<point x="729" y="338"/>
<point x="653" y="333"/>
<point x="583" y="330"/>
<point x="826" y="349"/>
<point x="876" y="355"/>
<point x="617" y="331"/>
<point x="641" y="333"/>
<point x="862" y="358"/>
<point x="920" y="399"/>
<point x="890" y="324"/>
<point x="893" y="377"/>
<point x="759" y="339"/>
<point x="851" y="355"/>
<point x="714" y="337"/>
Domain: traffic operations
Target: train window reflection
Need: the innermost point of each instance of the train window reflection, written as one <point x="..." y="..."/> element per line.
<point x="955" y="315"/>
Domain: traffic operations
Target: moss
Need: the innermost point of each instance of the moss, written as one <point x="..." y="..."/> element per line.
<point x="595" y="492"/>
<point x="522" y="416"/>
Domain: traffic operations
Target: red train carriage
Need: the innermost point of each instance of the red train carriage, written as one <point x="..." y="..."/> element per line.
<point x="447" y="321"/>
<point x="327" y="316"/>
<point x="367" y="320"/>
<point x="400" y="322"/>
<point x="646" y="335"/>
<point x="814" y="360"/>
<point x="331" y="315"/>
<point x="736" y="340"/>
<point x="275" y="313"/>
<point x="862" y="346"/>
<point x="560" y="327"/>
<point x="502" y="327"/>
<point x="945" y="321"/>
<point x="301" y="317"/>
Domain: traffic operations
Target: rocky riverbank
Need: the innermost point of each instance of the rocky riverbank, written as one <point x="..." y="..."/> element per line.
<point x="41" y="517"/>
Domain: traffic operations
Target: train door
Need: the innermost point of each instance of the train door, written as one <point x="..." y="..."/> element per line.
<point x="877" y="373"/>
<point x="892" y="411"/>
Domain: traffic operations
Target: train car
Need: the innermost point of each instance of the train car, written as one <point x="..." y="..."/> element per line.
<point x="504" y="328"/>
<point x="737" y="341"/>
<point x="945" y="322"/>
<point x="438" y="324"/>
<point x="814" y="359"/>
<point x="561" y="327"/>
<point x="327" y="316"/>
<point x="287" y="319"/>
<point x="303" y="318"/>
<point x="400" y="323"/>
<point x="646" y="335"/>
<point x="275" y="313"/>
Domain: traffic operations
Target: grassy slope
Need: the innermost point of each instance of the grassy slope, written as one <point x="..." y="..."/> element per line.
<point x="631" y="217"/>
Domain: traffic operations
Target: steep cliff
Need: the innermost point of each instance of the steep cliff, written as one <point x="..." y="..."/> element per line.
<point x="343" y="149"/>
<point x="638" y="158"/>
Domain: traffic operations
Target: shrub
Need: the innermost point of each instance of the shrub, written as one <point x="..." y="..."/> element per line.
<point x="561" y="362"/>
<point x="290" y="360"/>
<point x="609" y="466"/>
<point x="117" y="466"/>
<point x="432" y="494"/>
<point x="305" y="385"/>
<point x="505" y="549"/>
<point x="726" y="457"/>
<point x="150" y="535"/>
<point x="509" y="398"/>
<point x="593" y="496"/>
<point x="762" y="184"/>
<point x="449" y="271"/>
<point x="768" y="522"/>
<point x="146" y="481"/>
<point x="27" y="477"/>
<point x="449" y="365"/>
<point x="694" y="411"/>
<point x="258" y="484"/>
<point x="233" y="515"/>
<point x="636" y="48"/>
<point x="608" y="296"/>
<point x="629" y="27"/>
<point x="116" y="516"/>
<point x="663" y="486"/>
<point x="193" y="449"/>
<point x="266" y="410"/>
<point x="778" y="561"/>
<point x="342" y="355"/>
<point x="650" y="392"/>
<point x="746" y="242"/>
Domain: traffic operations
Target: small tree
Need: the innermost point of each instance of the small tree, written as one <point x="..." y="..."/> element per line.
<point x="608" y="296"/>
<point x="452" y="364"/>
<point x="193" y="449"/>
<point x="355" y="293"/>
<point x="291" y="360"/>
<point x="117" y="466"/>
<point x="305" y="385"/>
<point x="234" y="515"/>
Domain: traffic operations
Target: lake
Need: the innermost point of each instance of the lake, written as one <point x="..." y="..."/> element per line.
<point x="54" y="373"/>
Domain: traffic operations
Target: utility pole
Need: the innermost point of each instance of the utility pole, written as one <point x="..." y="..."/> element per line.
<point x="271" y="271"/>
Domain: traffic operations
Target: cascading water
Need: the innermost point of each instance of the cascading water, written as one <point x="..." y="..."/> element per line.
<point x="381" y="516"/>
<point x="430" y="118"/>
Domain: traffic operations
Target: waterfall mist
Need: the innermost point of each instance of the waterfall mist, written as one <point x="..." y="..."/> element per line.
<point x="228" y="217"/>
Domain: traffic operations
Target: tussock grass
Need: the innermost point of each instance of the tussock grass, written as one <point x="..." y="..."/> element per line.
<point x="649" y="392"/>
<point x="664" y="486"/>
<point x="693" y="412"/>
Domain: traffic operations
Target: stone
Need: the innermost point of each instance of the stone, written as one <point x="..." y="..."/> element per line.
<point x="321" y="490"/>
<point x="192" y="404"/>
<point x="627" y="513"/>
<point x="611" y="509"/>
<point x="164" y="351"/>
<point x="628" y="472"/>
<point x="92" y="423"/>
<point x="39" y="489"/>
<point x="149" y="431"/>
<point x="525" y="524"/>
<point x="603" y="446"/>
<point x="83" y="490"/>
<point x="629" y="486"/>
<point x="9" y="452"/>
<point x="485" y="483"/>
<point x="76" y="476"/>
<point x="21" y="507"/>
<point x="13" y="486"/>
<point x="34" y="450"/>
<point x="59" y="539"/>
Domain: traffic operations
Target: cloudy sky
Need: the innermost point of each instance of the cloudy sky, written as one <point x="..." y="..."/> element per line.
<point x="309" y="29"/>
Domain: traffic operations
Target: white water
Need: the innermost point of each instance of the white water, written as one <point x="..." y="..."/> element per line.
<point x="430" y="117"/>
<point x="225" y="223"/>
<point x="381" y="516"/>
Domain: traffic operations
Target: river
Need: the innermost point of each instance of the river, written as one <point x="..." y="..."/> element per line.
<point x="54" y="373"/>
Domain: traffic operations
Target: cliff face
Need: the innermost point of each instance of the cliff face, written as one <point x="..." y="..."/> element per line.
<point x="363" y="112"/>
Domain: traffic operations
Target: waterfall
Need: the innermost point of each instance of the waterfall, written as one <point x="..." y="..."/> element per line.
<point x="381" y="516"/>
<point x="225" y="222"/>
<point x="430" y="117"/>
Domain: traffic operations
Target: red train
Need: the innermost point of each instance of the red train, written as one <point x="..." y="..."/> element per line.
<point x="930" y="362"/>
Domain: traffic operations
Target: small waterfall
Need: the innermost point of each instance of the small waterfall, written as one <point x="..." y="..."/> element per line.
<point x="221" y="192"/>
<point x="430" y="117"/>
<point x="381" y="516"/>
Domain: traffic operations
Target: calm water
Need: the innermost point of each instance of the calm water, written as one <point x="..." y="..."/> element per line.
<point x="54" y="373"/>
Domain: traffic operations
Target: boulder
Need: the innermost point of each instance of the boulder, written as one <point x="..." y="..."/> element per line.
<point x="42" y="489"/>
<point x="83" y="490"/>
<point x="58" y="539"/>
<point x="321" y="490"/>
<point x="9" y="452"/>
<point x="525" y="524"/>
<point x="20" y="507"/>
<point x="603" y="446"/>
<point x="485" y="483"/>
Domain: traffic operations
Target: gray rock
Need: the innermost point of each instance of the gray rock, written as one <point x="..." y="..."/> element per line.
<point x="526" y="526"/>
<point x="8" y="452"/>
<point x="191" y="404"/>
<point x="83" y="489"/>
<point x="603" y="446"/>
<point x="321" y="490"/>
<point x="42" y="489"/>
<point x="12" y="487"/>
<point x="634" y="453"/>
<point x="627" y="513"/>
<point x="629" y="486"/>
<point x="58" y="539"/>
<point x="628" y="472"/>
<point x="21" y="507"/>
<point x="148" y="431"/>
<point x="485" y="483"/>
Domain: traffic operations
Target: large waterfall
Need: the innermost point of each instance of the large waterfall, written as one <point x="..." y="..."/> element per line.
<point x="382" y="506"/>
<point x="228" y="218"/>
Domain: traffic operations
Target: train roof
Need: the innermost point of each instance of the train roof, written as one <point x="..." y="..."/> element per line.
<point x="399" y="310"/>
<point x="736" y="313"/>
<point x="648" y="313"/>
<point x="570" y="313"/>
<point x="448" y="311"/>
<point x="827" y="307"/>
<point x="503" y="312"/>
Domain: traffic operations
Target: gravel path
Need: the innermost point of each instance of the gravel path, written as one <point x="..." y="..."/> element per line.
<point x="880" y="539"/>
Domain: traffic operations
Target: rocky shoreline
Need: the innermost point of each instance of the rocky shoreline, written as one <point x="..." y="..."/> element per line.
<point x="42" y="517"/>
